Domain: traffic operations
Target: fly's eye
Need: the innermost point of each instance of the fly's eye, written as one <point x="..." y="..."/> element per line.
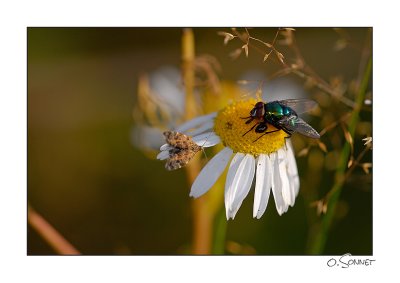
<point x="259" y="105"/>
<point x="260" y="112"/>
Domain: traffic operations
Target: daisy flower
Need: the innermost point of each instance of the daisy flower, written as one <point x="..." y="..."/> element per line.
<point x="161" y="105"/>
<point x="270" y="160"/>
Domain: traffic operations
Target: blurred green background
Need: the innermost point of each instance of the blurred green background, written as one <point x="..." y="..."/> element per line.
<point x="107" y="197"/>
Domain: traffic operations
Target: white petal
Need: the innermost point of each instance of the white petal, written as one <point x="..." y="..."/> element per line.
<point x="263" y="185"/>
<point x="281" y="207"/>
<point x="241" y="184"/>
<point x="163" y="155"/>
<point x="165" y="147"/>
<point x="166" y="87"/>
<point x="207" y="139"/>
<point x="196" y="122"/>
<point x="287" y="192"/>
<point x="233" y="167"/>
<point x="210" y="173"/>
<point x="203" y="137"/>
<point x="292" y="167"/>
<point x="213" y="140"/>
<point x="205" y="127"/>
<point x="147" y="137"/>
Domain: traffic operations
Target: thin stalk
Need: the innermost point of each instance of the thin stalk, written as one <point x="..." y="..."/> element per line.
<point x="220" y="226"/>
<point x="49" y="234"/>
<point x="320" y="238"/>
<point x="202" y="221"/>
<point x="188" y="57"/>
<point x="306" y="72"/>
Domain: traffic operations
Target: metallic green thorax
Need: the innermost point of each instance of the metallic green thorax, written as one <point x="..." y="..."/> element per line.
<point x="274" y="111"/>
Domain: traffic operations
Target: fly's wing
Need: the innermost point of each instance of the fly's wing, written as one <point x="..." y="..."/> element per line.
<point x="296" y="124"/>
<point x="180" y="159"/>
<point x="299" y="105"/>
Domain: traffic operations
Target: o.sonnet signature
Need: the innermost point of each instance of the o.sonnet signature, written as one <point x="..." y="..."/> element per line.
<point x="347" y="260"/>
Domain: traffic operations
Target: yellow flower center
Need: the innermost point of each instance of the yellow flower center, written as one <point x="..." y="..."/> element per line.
<point x="230" y="128"/>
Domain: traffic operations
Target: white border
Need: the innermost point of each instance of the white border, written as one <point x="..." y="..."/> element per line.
<point x="16" y="15"/>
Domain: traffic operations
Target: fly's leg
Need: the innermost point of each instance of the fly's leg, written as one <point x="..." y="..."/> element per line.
<point x="262" y="128"/>
<point x="287" y="132"/>
<point x="266" y="133"/>
<point x="250" y="129"/>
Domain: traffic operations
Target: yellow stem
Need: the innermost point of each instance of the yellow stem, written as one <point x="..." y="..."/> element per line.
<point x="202" y="220"/>
<point x="188" y="57"/>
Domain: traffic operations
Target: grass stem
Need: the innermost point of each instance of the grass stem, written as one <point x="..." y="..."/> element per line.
<point x="49" y="234"/>
<point x="320" y="237"/>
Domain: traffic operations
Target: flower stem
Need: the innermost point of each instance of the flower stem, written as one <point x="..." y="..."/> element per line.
<point x="188" y="57"/>
<point x="202" y="220"/>
<point x="321" y="235"/>
<point x="49" y="234"/>
<point x="220" y="226"/>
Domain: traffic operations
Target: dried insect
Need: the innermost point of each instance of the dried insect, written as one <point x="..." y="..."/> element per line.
<point x="182" y="150"/>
